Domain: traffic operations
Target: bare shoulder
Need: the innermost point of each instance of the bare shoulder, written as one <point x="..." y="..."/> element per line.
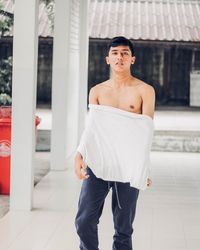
<point x="94" y="92"/>
<point x="147" y="94"/>
<point x="93" y="95"/>
<point x="145" y="88"/>
<point x="98" y="87"/>
<point x="102" y="85"/>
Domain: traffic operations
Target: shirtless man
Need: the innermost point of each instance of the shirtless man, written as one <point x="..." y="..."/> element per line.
<point x="122" y="91"/>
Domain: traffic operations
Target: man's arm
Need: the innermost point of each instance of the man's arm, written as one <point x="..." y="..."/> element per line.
<point x="148" y="107"/>
<point x="148" y="100"/>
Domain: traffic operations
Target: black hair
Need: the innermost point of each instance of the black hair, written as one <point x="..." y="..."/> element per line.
<point x="121" y="40"/>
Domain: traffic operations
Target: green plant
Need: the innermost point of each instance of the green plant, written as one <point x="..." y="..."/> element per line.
<point x="5" y="81"/>
<point x="5" y="99"/>
<point x="6" y="22"/>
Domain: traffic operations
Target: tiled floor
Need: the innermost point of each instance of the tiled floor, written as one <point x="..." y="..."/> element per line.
<point x="41" y="168"/>
<point x="167" y="218"/>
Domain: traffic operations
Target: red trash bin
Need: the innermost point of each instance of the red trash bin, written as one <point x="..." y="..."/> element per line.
<point x="5" y="147"/>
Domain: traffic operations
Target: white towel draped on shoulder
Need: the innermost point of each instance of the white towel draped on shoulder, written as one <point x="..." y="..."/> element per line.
<point x="116" y="145"/>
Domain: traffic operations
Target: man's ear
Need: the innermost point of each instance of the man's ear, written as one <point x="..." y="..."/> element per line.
<point x="107" y="60"/>
<point x="133" y="60"/>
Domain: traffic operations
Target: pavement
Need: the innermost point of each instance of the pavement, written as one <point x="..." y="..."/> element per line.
<point x="167" y="215"/>
<point x="41" y="168"/>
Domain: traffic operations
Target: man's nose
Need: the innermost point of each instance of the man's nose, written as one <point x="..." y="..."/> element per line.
<point x="120" y="56"/>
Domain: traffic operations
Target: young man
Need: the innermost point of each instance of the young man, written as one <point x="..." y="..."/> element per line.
<point x="124" y="92"/>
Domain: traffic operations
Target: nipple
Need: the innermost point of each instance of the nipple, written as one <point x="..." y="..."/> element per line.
<point x="131" y="106"/>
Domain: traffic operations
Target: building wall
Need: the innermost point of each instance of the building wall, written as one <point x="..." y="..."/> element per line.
<point x="44" y="72"/>
<point x="5" y="48"/>
<point x="98" y="70"/>
<point x="165" y="66"/>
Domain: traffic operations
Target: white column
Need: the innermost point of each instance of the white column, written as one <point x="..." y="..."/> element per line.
<point x="83" y="82"/>
<point x="69" y="91"/>
<point x="60" y="78"/>
<point x="73" y="93"/>
<point x="25" y="50"/>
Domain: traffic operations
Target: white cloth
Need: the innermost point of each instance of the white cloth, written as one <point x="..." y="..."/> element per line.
<point x="116" y="144"/>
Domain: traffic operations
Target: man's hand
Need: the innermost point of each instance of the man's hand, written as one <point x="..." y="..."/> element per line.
<point x="80" y="168"/>
<point x="149" y="182"/>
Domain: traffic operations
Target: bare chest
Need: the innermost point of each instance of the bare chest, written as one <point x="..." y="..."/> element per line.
<point x="126" y="99"/>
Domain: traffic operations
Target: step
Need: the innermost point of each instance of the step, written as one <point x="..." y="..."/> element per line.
<point x="163" y="140"/>
<point x="176" y="141"/>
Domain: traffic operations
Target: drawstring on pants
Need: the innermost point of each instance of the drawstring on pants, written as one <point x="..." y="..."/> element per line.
<point x="117" y="196"/>
<point x="116" y="190"/>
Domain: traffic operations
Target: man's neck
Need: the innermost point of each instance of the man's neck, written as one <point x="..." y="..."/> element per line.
<point x="120" y="79"/>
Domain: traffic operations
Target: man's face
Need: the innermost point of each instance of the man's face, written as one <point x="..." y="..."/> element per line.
<point x="120" y="58"/>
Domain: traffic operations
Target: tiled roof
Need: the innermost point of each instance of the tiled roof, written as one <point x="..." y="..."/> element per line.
<point x="45" y="25"/>
<point x="145" y="19"/>
<point x="168" y="20"/>
<point x="44" y="29"/>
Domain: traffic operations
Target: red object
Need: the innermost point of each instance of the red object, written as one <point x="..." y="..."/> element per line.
<point x="37" y="121"/>
<point x="5" y="138"/>
<point x="5" y="147"/>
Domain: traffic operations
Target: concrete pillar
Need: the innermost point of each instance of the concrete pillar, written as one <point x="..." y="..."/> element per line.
<point x="69" y="90"/>
<point x="60" y="81"/>
<point x="83" y="82"/>
<point x="25" y="50"/>
<point x="73" y="94"/>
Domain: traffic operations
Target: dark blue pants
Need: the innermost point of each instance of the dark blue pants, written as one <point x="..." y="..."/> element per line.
<point x="93" y="193"/>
